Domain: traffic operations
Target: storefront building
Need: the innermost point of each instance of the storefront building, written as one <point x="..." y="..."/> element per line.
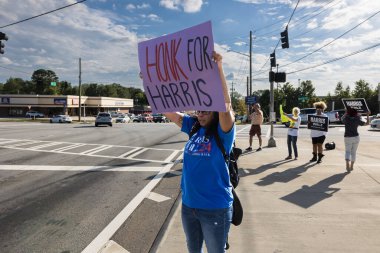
<point x="17" y="105"/>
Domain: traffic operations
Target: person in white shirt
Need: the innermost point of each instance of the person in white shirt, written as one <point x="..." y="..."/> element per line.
<point x="318" y="137"/>
<point x="295" y="122"/>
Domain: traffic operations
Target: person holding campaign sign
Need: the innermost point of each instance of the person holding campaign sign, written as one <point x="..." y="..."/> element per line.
<point x="206" y="188"/>
<point x="318" y="137"/>
<point x="295" y="122"/>
<point x="352" y="120"/>
<point x="197" y="83"/>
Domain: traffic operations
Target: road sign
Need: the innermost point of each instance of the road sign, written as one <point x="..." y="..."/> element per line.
<point x="53" y="84"/>
<point x="250" y="100"/>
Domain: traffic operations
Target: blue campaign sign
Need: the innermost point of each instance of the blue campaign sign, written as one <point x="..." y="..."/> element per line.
<point x="250" y="100"/>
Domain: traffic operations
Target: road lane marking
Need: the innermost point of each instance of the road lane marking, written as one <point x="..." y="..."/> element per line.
<point x="113" y="247"/>
<point x="129" y="152"/>
<point x="45" y="145"/>
<point x="170" y="157"/>
<point x="68" y="147"/>
<point x="137" y="153"/>
<point x="91" y="152"/>
<point x="119" y="220"/>
<point x="157" y="197"/>
<point x="22" y="144"/>
<point x="79" y="168"/>
<point x="95" y="150"/>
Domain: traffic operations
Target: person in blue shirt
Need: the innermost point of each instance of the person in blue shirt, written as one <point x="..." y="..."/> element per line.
<point x="206" y="189"/>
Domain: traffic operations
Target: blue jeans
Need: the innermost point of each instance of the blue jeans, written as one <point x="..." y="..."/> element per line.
<point x="292" y="140"/>
<point x="211" y="225"/>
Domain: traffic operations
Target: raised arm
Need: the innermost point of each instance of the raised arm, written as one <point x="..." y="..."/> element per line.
<point x="226" y="119"/>
<point x="175" y="117"/>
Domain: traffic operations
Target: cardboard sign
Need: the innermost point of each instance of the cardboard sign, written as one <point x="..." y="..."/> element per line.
<point x="178" y="71"/>
<point x="320" y="123"/>
<point x="358" y="104"/>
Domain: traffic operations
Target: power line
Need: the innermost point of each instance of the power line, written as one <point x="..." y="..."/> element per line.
<point x="81" y="1"/>
<point x="15" y="70"/>
<point x="332" y="40"/>
<point x="294" y="10"/>
<point x="336" y="59"/>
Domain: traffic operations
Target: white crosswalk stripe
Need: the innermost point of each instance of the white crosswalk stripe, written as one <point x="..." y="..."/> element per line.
<point x="94" y="150"/>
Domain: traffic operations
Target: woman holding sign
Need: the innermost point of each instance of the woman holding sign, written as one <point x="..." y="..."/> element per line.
<point x="206" y="189"/>
<point x="318" y="137"/>
<point x="352" y="120"/>
<point x="295" y="122"/>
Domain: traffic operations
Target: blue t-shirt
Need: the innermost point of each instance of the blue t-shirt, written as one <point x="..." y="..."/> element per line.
<point x="205" y="180"/>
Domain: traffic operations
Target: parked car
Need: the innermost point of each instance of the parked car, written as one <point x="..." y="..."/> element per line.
<point x="148" y="117"/>
<point x="375" y="124"/>
<point x="122" y="119"/>
<point x="34" y="114"/>
<point x="333" y="117"/>
<point x="306" y="111"/>
<point x="139" y="118"/>
<point x="340" y="112"/>
<point x="103" y="118"/>
<point x="159" y="118"/>
<point x="61" y="119"/>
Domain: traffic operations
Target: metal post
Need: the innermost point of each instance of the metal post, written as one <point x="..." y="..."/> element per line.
<point x="250" y="63"/>
<point x="247" y="97"/>
<point x="80" y="88"/>
<point x="271" y="141"/>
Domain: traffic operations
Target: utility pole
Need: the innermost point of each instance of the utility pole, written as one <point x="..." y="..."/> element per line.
<point x="80" y="89"/>
<point x="378" y="98"/>
<point x="247" y="97"/>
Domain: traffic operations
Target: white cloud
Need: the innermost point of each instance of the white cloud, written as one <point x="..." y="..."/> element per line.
<point x="152" y="17"/>
<point x="143" y="6"/>
<point x="130" y="7"/>
<point x="189" y="6"/>
<point x="228" y="21"/>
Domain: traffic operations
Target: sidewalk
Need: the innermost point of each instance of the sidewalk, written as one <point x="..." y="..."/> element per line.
<point x="299" y="207"/>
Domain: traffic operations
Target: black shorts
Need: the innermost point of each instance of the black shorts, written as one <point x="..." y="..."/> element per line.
<point x="319" y="140"/>
<point x="255" y="130"/>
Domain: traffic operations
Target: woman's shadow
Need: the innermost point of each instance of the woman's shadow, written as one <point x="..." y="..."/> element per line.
<point x="307" y="196"/>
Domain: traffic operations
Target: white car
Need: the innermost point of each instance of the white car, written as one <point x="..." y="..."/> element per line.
<point x="61" y="119"/>
<point x="375" y="124"/>
<point x="34" y="114"/>
<point x="103" y="118"/>
<point x="122" y="119"/>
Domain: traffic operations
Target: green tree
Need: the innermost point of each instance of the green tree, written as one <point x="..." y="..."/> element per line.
<point x="362" y="90"/>
<point x="42" y="79"/>
<point x="14" y="86"/>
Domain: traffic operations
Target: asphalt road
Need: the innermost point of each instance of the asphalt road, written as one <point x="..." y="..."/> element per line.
<point x="62" y="185"/>
<point x="73" y="187"/>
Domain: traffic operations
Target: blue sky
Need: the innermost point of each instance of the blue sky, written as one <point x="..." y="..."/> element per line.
<point x="105" y="34"/>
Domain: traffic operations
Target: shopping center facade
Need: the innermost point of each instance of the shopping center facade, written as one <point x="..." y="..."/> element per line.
<point x="12" y="105"/>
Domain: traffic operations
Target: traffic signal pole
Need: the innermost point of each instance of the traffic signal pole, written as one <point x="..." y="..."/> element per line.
<point x="272" y="116"/>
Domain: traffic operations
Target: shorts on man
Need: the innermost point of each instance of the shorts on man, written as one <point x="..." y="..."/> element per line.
<point x="255" y="130"/>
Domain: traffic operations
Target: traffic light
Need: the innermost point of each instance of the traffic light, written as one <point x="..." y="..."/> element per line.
<point x="271" y="76"/>
<point x="280" y="77"/>
<point x="285" y="39"/>
<point x="273" y="59"/>
<point x="3" y="36"/>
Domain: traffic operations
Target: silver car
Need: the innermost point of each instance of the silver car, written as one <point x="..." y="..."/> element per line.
<point x="103" y="118"/>
<point x="61" y="119"/>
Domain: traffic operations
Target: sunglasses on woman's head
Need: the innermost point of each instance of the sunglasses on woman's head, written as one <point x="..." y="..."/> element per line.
<point x="202" y="112"/>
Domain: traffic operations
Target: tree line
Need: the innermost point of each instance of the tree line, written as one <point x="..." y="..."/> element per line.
<point x="42" y="79"/>
<point x="288" y="95"/>
<point x="304" y="96"/>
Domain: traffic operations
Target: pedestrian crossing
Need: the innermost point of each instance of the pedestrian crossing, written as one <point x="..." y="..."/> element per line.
<point x="165" y="156"/>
